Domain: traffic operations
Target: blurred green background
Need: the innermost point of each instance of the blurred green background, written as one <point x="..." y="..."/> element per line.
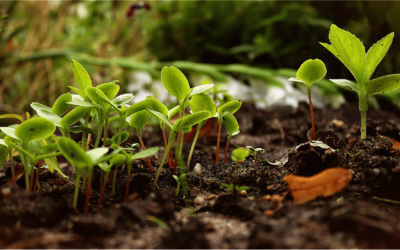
<point x="241" y="39"/>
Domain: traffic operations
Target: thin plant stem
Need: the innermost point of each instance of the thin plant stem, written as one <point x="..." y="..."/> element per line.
<point x="76" y="191"/>
<point x="37" y="177"/>
<point x="177" y="189"/>
<point x="12" y="168"/>
<point x="109" y="180"/>
<point x="89" y="138"/>
<point x="114" y="182"/>
<point x="88" y="191"/>
<point x="219" y="139"/>
<point x="26" y="168"/>
<point x="144" y="148"/>
<point x="226" y="148"/>
<point x="84" y="173"/>
<point x="166" y="144"/>
<point x="255" y="158"/>
<point x="170" y="141"/>
<point x="193" y="146"/>
<point x="177" y="151"/>
<point x="106" y="129"/>
<point x="363" y="124"/>
<point x="96" y="145"/>
<point x="31" y="179"/>
<point x="312" y="115"/>
<point x="102" y="191"/>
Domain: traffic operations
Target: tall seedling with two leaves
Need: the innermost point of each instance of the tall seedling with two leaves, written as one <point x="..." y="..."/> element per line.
<point x="310" y="72"/>
<point x="351" y="52"/>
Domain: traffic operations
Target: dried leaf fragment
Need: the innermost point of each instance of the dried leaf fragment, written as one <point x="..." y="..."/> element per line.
<point x="395" y="147"/>
<point x="326" y="183"/>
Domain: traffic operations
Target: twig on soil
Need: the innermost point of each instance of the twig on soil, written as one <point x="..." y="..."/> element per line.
<point x="44" y="240"/>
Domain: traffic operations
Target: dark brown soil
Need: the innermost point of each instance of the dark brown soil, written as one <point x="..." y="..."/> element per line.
<point x="356" y="217"/>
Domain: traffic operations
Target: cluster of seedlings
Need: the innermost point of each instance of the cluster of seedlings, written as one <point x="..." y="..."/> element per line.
<point x="34" y="139"/>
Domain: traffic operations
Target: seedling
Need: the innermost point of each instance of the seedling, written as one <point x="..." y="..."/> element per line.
<point x="254" y="151"/>
<point x="240" y="154"/>
<point x="351" y="52"/>
<point x="235" y="188"/>
<point x="138" y="120"/>
<point x="179" y="180"/>
<point x="232" y="107"/>
<point x="200" y="102"/>
<point x="353" y="156"/>
<point x="233" y="129"/>
<point x="310" y="71"/>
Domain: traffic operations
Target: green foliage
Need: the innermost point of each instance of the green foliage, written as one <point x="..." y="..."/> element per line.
<point x="139" y="119"/>
<point x="201" y="102"/>
<point x="82" y="78"/>
<point x="190" y="120"/>
<point x="34" y="129"/>
<point x="240" y="154"/>
<point x="175" y="82"/>
<point x="231" y="106"/>
<point x="230" y="124"/>
<point x="61" y="104"/>
<point x="232" y="187"/>
<point x="74" y="153"/>
<point x="311" y="71"/>
<point x="145" y="153"/>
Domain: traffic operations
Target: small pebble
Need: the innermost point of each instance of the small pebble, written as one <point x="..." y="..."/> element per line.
<point x="197" y="169"/>
<point x="276" y="199"/>
<point x="376" y="171"/>
<point x="269" y="213"/>
<point x="338" y="123"/>
<point x="6" y="192"/>
<point x="243" y="192"/>
<point x="199" y="200"/>
<point x="266" y="197"/>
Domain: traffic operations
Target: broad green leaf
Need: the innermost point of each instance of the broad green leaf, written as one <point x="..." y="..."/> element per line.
<point x="190" y="120"/>
<point x="9" y="131"/>
<point x="105" y="167"/>
<point x="76" y="98"/>
<point x="73" y="116"/>
<point x="144" y="154"/>
<point x="97" y="96"/>
<point x="118" y="160"/>
<point x="3" y="152"/>
<point x="172" y="112"/>
<point x="139" y="119"/>
<point x="376" y="53"/>
<point x="175" y="82"/>
<point x="138" y="106"/>
<point x="12" y="116"/>
<point x="36" y="106"/>
<point x="110" y="89"/>
<point x="53" y="164"/>
<point x="122" y="99"/>
<point x="82" y="128"/>
<point x="35" y="129"/>
<point x="49" y="116"/>
<point x="76" y="90"/>
<point x="187" y="130"/>
<point x="200" y="89"/>
<point x="61" y="104"/>
<point x="201" y="102"/>
<point x="240" y="154"/>
<point x="347" y="84"/>
<point x="50" y="148"/>
<point x="230" y="123"/>
<point x="97" y="153"/>
<point x="82" y="78"/>
<point x="160" y="116"/>
<point x="74" y="153"/>
<point x="383" y="84"/>
<point x="158" y="106"/>
<point x="350" y="50"/>
<point x="106" y="157"/>
<point x="84" y="104"/>
<point x="311" y="71"/>
<point x="124" y="137"/>
<point x="231" y="106"/>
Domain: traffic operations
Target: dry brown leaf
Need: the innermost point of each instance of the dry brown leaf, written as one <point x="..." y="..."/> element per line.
<point x="19" y="172"/>
<point x="396" y="145"/>
<point x="326" y="183"/>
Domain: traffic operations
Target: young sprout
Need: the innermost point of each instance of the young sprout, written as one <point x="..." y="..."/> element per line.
<point x="351" y="52"/>
<point x="200" y="102"/>
<point x="234" y="188"/>
<point x="187" y="121"/>
<point x="254" y="151"/>
<point x="138" y="120"/>
<point x="353" y="156"/>
<point x="6" y="150"/>
<point x="232" y="107"/>
<point x="117" y="161"/>
<point x="179" y="181"/>
<point x="238" y="155"/>
<point x="233" y="129"/>
<point x="310" y="71"/>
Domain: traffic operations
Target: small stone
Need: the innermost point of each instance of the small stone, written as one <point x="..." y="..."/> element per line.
<point x="269" y="213"/>
<point x="199" y="200"/>
<point x="338" y="123"/>
<point x="376" y="171"/>
<point x="6" y="192"/>
<point x="270" y="187"/>
<point x="266" y="197"/>
<point x="276" y="199"/>
<point x="197" y="169"/>
<point x="243" y="192"/>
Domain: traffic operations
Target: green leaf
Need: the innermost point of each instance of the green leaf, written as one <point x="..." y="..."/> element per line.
<point x="76" y="90"/>
<point x="73" y="116"/>
<point x="9" y="131"/>
<point x="176" y="178"/>
<point x="49" y="116"/>
<point x="158" y="106"/>
<point x="349" y="49"/>
<point x="160" y="116"/>
<point x="201" y="102"/>
<point x="200" y="89"/>
<point x="172" y="112"/>
<point x="376" y="53"/>
<point x="105" y="167"/>
<point x="230" y="123"/>
<point x="82" y="128"/>
<point x="383" y="84"/>
<point x="12" y="116"/>
<point x="110" y="89"/>
<point x="61" y="104"/>
<point x="145" y="153"/>
<point x="138" y="106"/>
<point x="122" y="99"/>
<point x="231" y="106"/>
<point x="118" y="160"/>
<point x="97" y="96"/>
<point x="190" y="120"/>
<point x="139" y="119"/>
<point x="175" y="82"/>
<point x="240" y="154"/>
<point x="82" y="78"/>
<point x="50" y="148"/>
<point x="3" y="152"/>
<point x="84" y="104"/>
<point x="35" y="129"/>
<point x="74" y="153"/>
<point x="36" y="106"/>
<point x="347" y="84"/>
<point x="242" y="188"/>
<point x="124" y="137"/>
<point x="97" y="153"/>
<point x="311" y="71"/>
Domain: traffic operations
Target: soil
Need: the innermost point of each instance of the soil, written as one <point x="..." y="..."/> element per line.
<point x="363" y="215"/>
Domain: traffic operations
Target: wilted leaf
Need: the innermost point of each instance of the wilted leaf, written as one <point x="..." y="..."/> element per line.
<point x="326" y="183"/>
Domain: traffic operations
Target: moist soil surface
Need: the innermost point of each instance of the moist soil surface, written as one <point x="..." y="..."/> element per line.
<point x="362" y="215"/>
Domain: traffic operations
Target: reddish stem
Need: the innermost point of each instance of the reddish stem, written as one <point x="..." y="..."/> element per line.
<point x="255" y="158"/>
<point x="127" y="186"/>
<point x="144" y="148"/>
<point x="312" y="116"/>
<point x="219" y="139"/>
<point x="226" y="149"/>
<point x="88" y="190"/>
<point x="176" y="151"/>
<point x="100" y="197"/>
<point x="166" y="145"/>
<point x="37" y="177"/>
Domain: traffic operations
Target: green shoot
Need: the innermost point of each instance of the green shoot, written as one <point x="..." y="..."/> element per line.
<point x="353" y="156"/>
<point x="310" y="71"/>
<point x="179" y="180"/>
<point x="232" y="126"/>
<point x="351" y="52"/>
<point x="234" y="188"/>
<point x="254" y="151"/>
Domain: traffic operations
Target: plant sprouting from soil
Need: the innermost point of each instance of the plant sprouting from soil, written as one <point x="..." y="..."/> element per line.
<point x="235" y="188"/>
<point x="253" y="151"/>
<point x="353" y="156"/>
<point x="310" y="71"/>
<point x="351" y="52"/>
<point x="179" y="180"/>
<point x="232" y="126"/>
